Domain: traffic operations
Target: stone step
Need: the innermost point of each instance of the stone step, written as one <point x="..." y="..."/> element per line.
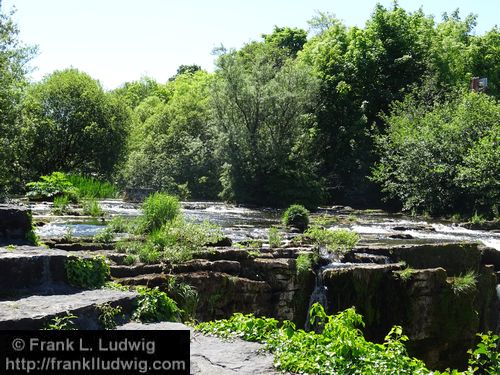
<point x="227" y="266"/>
<point x="151" y="280"/>
<point x="84" y="246"/>
<point x="215" y="356"/>
<point x="132" y="271"/>
<point x="31" y="269"/>
<point x="35" y="312"/>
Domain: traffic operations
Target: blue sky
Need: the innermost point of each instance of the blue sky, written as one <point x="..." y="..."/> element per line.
<point x="121" y="40"/>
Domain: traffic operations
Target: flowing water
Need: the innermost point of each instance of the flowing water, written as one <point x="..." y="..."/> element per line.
<point x="242" y="223"/>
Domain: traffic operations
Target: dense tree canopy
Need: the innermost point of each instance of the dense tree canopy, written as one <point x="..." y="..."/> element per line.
<point x="14" y="57"/>
<point x="264" y="114"/>
<point x="172" y="145"/>
<point x="342" y="114"/>
<point x="443" y="159"/>
<point x="71" y="124"/>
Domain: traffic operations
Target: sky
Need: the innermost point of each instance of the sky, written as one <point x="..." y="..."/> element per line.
<point x="116" y="41"/>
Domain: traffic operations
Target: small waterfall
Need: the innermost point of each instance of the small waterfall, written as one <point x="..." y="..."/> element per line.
<point x="318" y="295"/>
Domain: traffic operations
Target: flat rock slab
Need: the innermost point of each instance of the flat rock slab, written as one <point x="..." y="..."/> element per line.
<point x="34" y="312"/>
<point x="36" y="270"/>
<point x="214" y="356"/>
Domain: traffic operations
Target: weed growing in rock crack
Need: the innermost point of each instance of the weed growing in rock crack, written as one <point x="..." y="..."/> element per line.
<point x="155" y="306"/>
<point x="91" y="207"/>
<point x="405" y="274"/>
<point x="62" y="323"/>
<point x="11" y="247"/>
<point x="177" y="240"/>
<point x="104" y="236"/>
<point x="130" y="260"/>
<point x="61" y="204"/>
<point x="339" y="240"/>
<point x="304" y="263"/>
<point x="68" y="235"/>
<point x="119" y="224"/>
<point x="108" y="315"/>
<point x="185" y="296"/>
<point x="464" y="284"/>
<point x="87" y="272"/>
<point x="115" y="286"/>
<point x="274" y="237"/>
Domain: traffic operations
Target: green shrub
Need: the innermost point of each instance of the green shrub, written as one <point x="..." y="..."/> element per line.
<point x="108" y="315"/>
<point x="119" y="224"/>
<point x="177" y="240"/>
<point x="159" y="209"/>
<point x="485" y="359"/>
<point x="296" y="216"/>
<point x="405" y="274"/>
<point x="89" y="187"/>
<point x="62" y="323"/>
<point x="339" y="240"/>
<point x="339" y="349"/>
<point x="87" y="272"/>
<point x="155" y="306"/>
<point x="275" y="237"/>
<point x="130" y="260"/>
<point x="304" y="263"/>
<point x="104" y="236"/>
<point x="442" y="158"/>
<point x="50" y="187"/>
<point x="477" y="219"/>
<point x="464" y="284"/>
<point x="185" y="296"/>
<point x="91" y="207"/>
<point x="61" y="204"/>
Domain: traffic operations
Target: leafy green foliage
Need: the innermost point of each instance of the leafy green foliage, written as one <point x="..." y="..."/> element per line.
<point x="274" y="237"/>
<point x="464" y="283"/>
<point x="338" y="240"/>
<point x="296" y="216"/>
<point x="442" y="159"/>
<point x="339" y="349"/>
<point x="89" y="187"/>
<point x="185" y="296"/>
<point x="119" y="224"/>
<point x="62" y="323"/>
<point x="263" y="108"/>
<point x="177" y="240"/>
<point x="14" y="59"/>
<point x="72" y="125"/>
<point x="159" y="209"/>
<point x="155" y="306"/>
<point x="87" y="272"/>
<point x="104" y="236"/>
<point x="51" y="186"/>
<point x="172" y="142"/>
<point x="485" y="359"/>
<point x="304" y="263"/>
<point x="108" y="315"/>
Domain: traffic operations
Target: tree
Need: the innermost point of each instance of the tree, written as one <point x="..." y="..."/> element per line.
<point x="264" y="113"/>
<point x="72" y="125"/>
<point x="442" y="159"/>
<point x="172" y="147"/>
<point x="14" y="58"/>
